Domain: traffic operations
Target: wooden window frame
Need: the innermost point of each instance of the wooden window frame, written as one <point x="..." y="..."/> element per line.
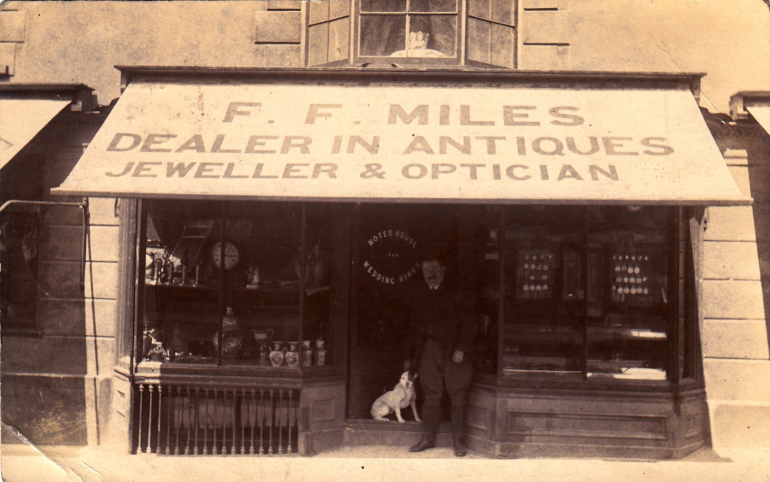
<point x="460" y="39"/>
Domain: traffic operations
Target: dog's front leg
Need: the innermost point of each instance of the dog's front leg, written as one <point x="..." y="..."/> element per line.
<point x="414" y="411"/>
<point x="398" y="413"/>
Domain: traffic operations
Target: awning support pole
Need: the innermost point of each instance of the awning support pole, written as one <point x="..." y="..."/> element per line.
<point x="83" y="205"/>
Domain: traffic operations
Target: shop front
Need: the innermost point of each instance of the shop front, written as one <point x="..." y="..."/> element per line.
<point x="272" y="224"/>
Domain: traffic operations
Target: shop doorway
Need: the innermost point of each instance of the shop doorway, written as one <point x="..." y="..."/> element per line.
<point x="388" y="243"/>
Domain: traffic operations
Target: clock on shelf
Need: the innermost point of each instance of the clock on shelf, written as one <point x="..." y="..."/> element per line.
<point x="232" y="255"/>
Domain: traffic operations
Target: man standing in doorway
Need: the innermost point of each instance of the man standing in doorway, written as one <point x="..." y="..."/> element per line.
<point x="441" y="333"/>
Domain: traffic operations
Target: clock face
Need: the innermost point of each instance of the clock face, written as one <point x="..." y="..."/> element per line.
<point x="232" y="255"/>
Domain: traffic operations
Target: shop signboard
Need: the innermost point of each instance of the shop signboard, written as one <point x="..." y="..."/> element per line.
<point x="400" y="143"/>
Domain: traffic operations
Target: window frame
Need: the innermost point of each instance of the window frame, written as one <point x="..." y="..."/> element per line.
<point x="460" y="39"/>
<point x="683" y="370"/>
<point x="216" y="366"/>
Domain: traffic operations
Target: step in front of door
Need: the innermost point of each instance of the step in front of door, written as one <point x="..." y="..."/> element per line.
<point x="374" y="432"/>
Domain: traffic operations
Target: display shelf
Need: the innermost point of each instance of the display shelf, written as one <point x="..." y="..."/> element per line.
<point x="275" y="291"/>
<point x="180" y="286"/>
<point x="529" y="333"/>
<point x="527" y="362"/>
<point x="631" y="373"/>
<point x="597" y="333"/>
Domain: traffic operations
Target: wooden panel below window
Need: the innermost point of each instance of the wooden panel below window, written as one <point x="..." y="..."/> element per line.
<point x="581" y="424"/>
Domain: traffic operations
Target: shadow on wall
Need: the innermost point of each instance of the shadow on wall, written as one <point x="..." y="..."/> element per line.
<point x="758" y="148"/>
<point x="47" y="392"/>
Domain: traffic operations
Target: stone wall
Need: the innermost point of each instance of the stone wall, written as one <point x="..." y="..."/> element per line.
<point x="734" y="298"/>
<point x="56" y="384"/>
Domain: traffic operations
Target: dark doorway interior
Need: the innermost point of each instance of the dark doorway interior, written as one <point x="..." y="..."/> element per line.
<point x="387" y="247"/>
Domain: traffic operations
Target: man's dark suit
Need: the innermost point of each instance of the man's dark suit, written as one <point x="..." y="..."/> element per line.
<point x="440" y="325"/>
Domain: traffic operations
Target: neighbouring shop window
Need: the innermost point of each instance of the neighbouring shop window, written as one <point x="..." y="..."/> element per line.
<point x="20" y="237"/>
<point x="585" y="290"/>
<point x="418" y="29"/>
<point x="238" y="283"/>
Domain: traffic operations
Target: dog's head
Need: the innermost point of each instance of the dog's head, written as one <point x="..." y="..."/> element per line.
<point x="407" y="379"/>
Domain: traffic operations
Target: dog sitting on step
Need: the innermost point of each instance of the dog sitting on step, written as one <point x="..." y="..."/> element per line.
<point x="401" y="396"/>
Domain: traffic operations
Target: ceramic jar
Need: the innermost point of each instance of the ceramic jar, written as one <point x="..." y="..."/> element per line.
<point x="292" y="356"/>
<point x="277" y="356"/>
<point x="307" y="354"/>
<point x="262" y="338"/>
<point x="232" y="338"/>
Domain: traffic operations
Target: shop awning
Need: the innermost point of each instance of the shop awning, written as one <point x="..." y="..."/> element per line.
<point x="762" y="115"/>
<point x="369" y="141"/>
<point x="21" y="120"/>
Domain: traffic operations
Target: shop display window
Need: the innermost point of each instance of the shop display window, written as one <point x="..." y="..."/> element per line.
<point x="238" y="284"/>
<point x="587" y="290"/>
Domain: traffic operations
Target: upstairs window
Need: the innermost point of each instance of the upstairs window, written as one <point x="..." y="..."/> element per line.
<point x="408" y="29"/>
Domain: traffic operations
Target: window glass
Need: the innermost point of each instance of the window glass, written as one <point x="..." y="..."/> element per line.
<point x="586" y="291"/>
<point x="20" y="235"/>
<point x="402" y="29"/>
<point x="628" y="315"/>
<point x="383" y="6"/>
<point x="433" y="6"/>
<point x="237" y="283"/>
<point x="543" y="310"/>
<point x="433" y="33"/>
<point x="382" y="35"/>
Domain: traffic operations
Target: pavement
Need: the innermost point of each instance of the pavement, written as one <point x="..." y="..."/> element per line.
<point x="25" y="462"/>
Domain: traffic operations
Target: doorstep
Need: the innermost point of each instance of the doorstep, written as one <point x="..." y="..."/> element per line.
<point x="359" y="432"/>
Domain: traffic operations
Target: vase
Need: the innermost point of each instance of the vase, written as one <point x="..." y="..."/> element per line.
<point x="292" y="356"/>
<point x="232" y="338"/>
<point x="262" y="338"/>
<point x="157" y="352"/>
<point x="307" y="354"/>
<point x="277" y="355"/>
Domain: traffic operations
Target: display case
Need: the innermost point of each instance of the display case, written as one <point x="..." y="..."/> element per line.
<point x="542" y="303"/>
<point x="583" y="291"/>
<point x="238" y="284"/>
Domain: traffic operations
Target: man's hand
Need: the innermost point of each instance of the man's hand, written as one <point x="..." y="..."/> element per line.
<point x="457" y="357"/>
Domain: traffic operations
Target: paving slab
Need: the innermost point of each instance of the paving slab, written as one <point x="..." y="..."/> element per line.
<point x="24" y="463"/>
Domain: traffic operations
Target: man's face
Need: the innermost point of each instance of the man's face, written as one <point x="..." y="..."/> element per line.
<point x="433" y="273"/>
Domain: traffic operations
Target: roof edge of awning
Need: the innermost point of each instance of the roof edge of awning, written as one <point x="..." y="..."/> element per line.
<point x="79" y="95"/>
<point x="691" y="80"/>
<point x="743" y="201"/>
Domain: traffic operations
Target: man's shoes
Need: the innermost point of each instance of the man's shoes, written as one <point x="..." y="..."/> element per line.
<point x="423" y="444"/>
<point x="460" y="449"/>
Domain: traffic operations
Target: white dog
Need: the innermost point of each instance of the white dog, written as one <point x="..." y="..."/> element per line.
<point x="400" y="397"/>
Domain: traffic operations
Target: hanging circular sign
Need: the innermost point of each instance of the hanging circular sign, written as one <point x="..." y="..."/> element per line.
<point x="390" y="257"/>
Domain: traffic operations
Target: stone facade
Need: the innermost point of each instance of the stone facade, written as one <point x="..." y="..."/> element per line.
<point x="58" y="386"/>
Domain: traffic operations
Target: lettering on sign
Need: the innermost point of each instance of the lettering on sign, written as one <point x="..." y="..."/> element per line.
<point x="391" y="257"/>
<point x="400" y="143"/>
